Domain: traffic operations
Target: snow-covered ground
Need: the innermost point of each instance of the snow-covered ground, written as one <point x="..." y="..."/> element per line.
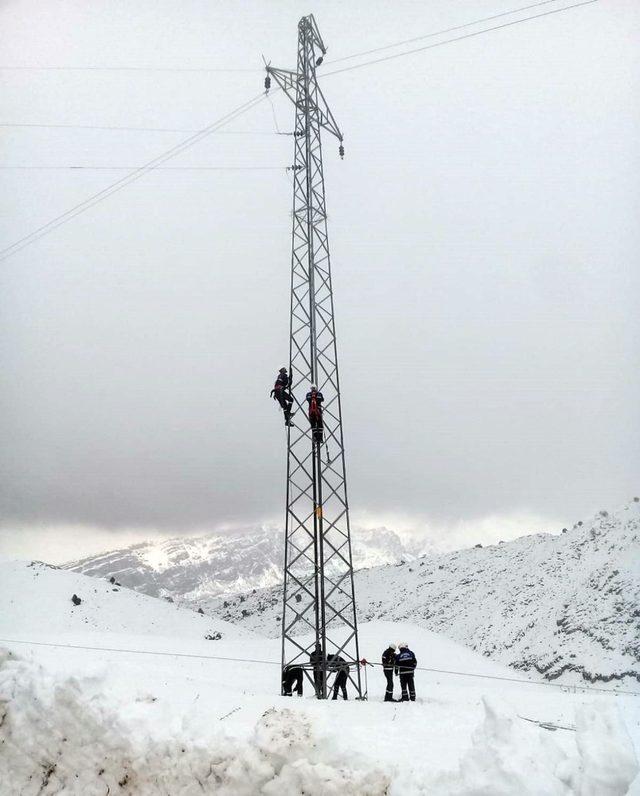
<point x="567" y="606"/>
<point x="156" y="721"/>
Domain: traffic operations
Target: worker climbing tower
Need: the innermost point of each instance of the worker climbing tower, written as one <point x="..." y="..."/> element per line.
<point x="319" y="608"/>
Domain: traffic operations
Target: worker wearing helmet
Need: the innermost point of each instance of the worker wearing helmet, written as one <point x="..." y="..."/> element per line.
<point x="315" y="399"/>
<point x="388" y="666"/>
<point x="282" y="394"/>
<point x="406" y="663"/>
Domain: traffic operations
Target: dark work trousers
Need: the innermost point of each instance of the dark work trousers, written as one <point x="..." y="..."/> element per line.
<point x="317" y="426"/>
<point x="284" y="399"/>
<point x="388" y="694"/>
<point x="317" y="680"/>
<point x="340" y="683"/>
<point x="406" y="681"/>
<point x="292" y="679"/>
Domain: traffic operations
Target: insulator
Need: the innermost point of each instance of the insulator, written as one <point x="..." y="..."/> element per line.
<point x="267" y="83"/>
<point x="341" y="151"/>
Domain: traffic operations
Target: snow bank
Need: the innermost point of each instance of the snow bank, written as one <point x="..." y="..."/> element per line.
<point x="59" y="736"/>
<point x="510" y="756"/>
<point x="608" y="761"/>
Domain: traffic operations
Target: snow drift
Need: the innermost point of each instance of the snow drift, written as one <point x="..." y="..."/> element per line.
<point x="61" y="736"/>
<point x="124" y="694"/>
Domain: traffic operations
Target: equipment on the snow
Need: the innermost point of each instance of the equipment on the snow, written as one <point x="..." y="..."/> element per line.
<point x="548" y="725"/>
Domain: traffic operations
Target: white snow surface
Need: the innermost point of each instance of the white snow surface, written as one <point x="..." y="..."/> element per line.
<point x="80" y="720"/>
<point x="566" y="606"/>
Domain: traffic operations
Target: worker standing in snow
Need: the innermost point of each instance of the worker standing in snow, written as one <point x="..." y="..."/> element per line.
<point x="282" y="394"/>
<point x="406" y="663"/>
<point x="341" y="667"/>
<point x="315" y="658"/>
<point x="388" y="666"/>
<point x="292" y="676"/>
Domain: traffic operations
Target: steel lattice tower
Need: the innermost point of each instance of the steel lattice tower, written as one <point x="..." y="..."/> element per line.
<point x="318" y="597"/>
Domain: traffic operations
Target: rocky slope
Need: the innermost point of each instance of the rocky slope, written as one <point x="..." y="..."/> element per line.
<point x="194" y="569"/>
<point x="556" y="604"/>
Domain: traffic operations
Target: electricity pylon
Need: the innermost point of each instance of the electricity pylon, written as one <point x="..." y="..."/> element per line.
<point x="318" y="599"/>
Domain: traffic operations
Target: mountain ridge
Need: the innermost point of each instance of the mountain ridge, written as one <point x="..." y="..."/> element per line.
<point x="190" y="569"/>
<point x="563" y="605"/>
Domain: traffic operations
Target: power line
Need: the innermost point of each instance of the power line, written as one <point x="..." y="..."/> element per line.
<point x="143" y="129"/>
<point x="121" y="69"/>
<point x="459" y="38"/>
<point x="334" y="61"/>
<point x="135" y="168"/>
<point x="91" y="201"/>
<point x="255" y="70"/>
<point x="517" y="680"/>
<point x="277" y="663"/>
<point x="31" y="67"/>
<point x="45" y="229"/>
<point x="439" y="32"/>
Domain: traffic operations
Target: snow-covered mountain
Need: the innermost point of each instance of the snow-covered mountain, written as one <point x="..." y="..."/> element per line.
<point x="201" y="567"/>
<point x="552" y="603"/>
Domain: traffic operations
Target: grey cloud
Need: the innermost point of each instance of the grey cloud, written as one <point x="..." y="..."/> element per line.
<point x="484" y="238"/>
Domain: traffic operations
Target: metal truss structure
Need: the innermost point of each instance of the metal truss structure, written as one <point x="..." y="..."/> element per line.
<point x="319" y="609"/>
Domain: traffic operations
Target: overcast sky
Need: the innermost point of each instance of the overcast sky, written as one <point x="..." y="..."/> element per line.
<point x="484" y="235"/>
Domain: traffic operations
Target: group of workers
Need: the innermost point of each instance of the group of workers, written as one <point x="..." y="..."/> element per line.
<point x="281" y="393"/>
<point x="402" y="664"/>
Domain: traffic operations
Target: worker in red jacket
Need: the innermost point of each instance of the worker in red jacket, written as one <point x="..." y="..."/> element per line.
<point x="315" y="399"/>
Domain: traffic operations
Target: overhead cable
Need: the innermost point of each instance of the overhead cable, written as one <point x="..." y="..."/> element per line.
<point x="142" y="129"/>
<point x="123" y="69"/>
<point x="278" y="663"/>
<point x="93" y="200"/>
<point x="459" y="38"/>
<point x="33" y="67"/>
<point x="439" y="32"/>
<point x="158" y="168"/>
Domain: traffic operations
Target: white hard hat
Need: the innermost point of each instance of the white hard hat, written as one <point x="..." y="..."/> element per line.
<point x="403" y="645"/>
<point x="392" y="646"/>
